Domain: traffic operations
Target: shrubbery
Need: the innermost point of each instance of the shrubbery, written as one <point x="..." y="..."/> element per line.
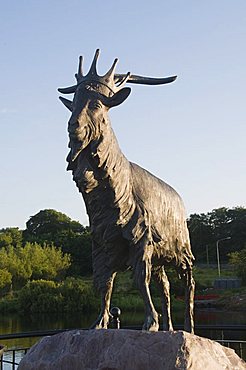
<point x="71" y="295"/>
<point x="33" y="261"/>
<point x="5" y="279"/>
<point x="238" y="260"/>
<point x="39" y="296"/>
<point x="52" y="227"/>
<point x="78" y="295"/>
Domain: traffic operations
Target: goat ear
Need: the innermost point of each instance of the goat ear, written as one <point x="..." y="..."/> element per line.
<point x="67" y="103"/>
<point x="117" y="98"/>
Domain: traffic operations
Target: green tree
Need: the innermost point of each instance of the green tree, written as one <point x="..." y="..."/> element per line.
<point x="238" y="227"/>
<point x="229" y="222"/>
<point x="5" y="280"/>
<point x="201" y="235"/>
<point x="206" y="229"/>
<point x="18" y="267"/>
<point x="238" y="260"/>
<point x="79" y="246"/>
<point x="10" y="236"/>
<point x="50" y="226"/>
<point x="46" y="262"/>
<point x="33" y="261"/>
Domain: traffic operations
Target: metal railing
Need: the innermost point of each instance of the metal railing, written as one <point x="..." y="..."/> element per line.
<point x="12" y="356"/>
<point x="239" y="346"/>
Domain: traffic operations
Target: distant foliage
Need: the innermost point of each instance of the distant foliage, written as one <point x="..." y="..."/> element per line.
<point x="71" y="295"/>
<point x="5" y="280"/>
<point x="206" y="229"/>
<point x="48" y="223"/>
<point x="50" y="226"/>
<point x="48" y="262"/>
<point x="238" y="260"/>
<point x="78" y="295"/>
<point x="20" y="264"/>
<point x="39" y="296"/>
<point x="10" y="236"/>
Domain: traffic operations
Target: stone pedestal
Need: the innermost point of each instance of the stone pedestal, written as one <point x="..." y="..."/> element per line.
<point x="129" y="350"/>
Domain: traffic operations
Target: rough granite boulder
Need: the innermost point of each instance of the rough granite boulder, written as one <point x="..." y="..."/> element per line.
<point x="129" y="350"/>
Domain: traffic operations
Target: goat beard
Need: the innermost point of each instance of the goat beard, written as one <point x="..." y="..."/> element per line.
<point x="79" y="145"/>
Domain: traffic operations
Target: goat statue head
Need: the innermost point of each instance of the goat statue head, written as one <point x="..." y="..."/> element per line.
<point x="93" y="96"/>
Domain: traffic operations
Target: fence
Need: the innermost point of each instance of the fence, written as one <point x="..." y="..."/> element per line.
<point x="10" y="358"/>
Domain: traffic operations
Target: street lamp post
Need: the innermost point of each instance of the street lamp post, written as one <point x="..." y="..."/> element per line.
<point x="207" y="256"/>
<point x="218" y="254"/>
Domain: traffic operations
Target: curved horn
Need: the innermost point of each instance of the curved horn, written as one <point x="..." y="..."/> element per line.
<point x="145" y="80"/>
<point x="68" y="90"/>
<point x="124" y="79"/>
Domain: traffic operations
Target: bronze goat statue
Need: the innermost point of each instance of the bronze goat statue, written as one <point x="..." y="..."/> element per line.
<point x="137" y="221"/>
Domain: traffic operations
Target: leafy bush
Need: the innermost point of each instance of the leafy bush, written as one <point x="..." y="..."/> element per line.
<point x="78" y="295"/>
<point x="5" y="280"/>
<point x="31" y="262"/>
<point x="238" y="260"/>
<point x="47" y="262"/>
<point x="39" y="296"/>
<point x="10" y="236"/>
<point x="72" y="295"/>
<point x="52" y="227"/>
<point x="9" y="304"/>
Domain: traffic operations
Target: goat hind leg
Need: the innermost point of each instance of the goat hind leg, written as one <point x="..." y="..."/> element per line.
<point x="189" y="284"/>
<point x="164" y="287"/>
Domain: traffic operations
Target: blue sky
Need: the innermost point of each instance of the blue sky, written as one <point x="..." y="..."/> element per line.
<point x="190" y="133"/>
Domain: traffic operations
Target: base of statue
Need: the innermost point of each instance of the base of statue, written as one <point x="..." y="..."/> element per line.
<point x="129" y="350"/>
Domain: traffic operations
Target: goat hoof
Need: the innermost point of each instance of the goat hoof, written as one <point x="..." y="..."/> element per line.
<point x="100" y="323"/>
<point x="151" y="324"/>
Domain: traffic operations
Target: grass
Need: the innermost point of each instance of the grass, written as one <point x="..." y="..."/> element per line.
<point x="205" y="277"/>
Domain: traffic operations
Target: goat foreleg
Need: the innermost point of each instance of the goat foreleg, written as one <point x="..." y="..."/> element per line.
<point x="106" y="292"/>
